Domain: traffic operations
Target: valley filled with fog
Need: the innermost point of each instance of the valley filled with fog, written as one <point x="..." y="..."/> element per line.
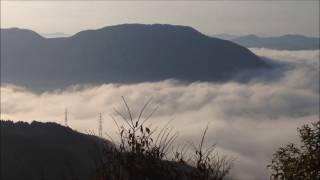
<point x="247" y="121"/>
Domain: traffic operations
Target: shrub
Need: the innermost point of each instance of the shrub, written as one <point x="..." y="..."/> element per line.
<point x="209" y="165"/>
<point x="142" y="153"/>
<point x="299" y="162"/>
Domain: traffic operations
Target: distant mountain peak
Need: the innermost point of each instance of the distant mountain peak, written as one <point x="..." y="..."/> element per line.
<point x="284" y="42"/>
<point x="251" y="36"/>
<point x="20" y="33"/>
<point x="294" y="35"/>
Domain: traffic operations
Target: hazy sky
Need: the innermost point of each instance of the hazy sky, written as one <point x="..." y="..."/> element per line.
<point x="210" y="17"/>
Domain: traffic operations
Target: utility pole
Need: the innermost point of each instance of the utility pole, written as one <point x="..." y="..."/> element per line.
<point x="66" y="117"/>
<point x="100" y="124"/>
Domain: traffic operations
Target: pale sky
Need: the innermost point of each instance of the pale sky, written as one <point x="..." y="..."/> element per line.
<point x="266" y="18"/>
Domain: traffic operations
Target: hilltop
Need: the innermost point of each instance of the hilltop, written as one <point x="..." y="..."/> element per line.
<point x="126" y="53"/>
<point x="48" y="150"/>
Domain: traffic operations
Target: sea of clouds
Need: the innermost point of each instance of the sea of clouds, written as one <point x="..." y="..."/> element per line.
<point x="247" y="121"/>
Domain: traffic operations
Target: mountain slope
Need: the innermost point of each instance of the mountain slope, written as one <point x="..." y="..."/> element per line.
<point x="47" y="150"/>
<point x="124" y="53"/>
<point x="286" y="42"/>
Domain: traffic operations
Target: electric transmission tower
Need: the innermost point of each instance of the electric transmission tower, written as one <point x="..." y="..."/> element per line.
<point x="66" y="117"/>
<point x="100" y="124"/>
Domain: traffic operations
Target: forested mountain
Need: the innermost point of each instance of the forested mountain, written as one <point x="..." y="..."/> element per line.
<point x="48" y="151"/>
<point x="125" y="53"/>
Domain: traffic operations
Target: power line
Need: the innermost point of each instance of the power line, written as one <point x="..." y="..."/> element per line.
<point x="66" y="117"/>
<point x="100" y="124"/>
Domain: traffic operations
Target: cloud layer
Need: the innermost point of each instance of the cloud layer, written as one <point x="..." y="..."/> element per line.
<point x="247" y="120"/>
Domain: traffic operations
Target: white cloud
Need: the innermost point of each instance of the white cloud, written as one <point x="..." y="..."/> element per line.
<point x="247" y="121"/>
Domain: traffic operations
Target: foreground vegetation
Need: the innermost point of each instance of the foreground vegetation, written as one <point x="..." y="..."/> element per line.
<point x="299" y="162"/>
<point x="51" y="151"/>
<point x="143" y="152"/>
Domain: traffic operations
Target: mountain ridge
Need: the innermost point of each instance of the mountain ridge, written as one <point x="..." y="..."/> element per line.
<point x="126" y="53"/>
<point x="283" y="42"/>
<point x="48" y="151"/>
